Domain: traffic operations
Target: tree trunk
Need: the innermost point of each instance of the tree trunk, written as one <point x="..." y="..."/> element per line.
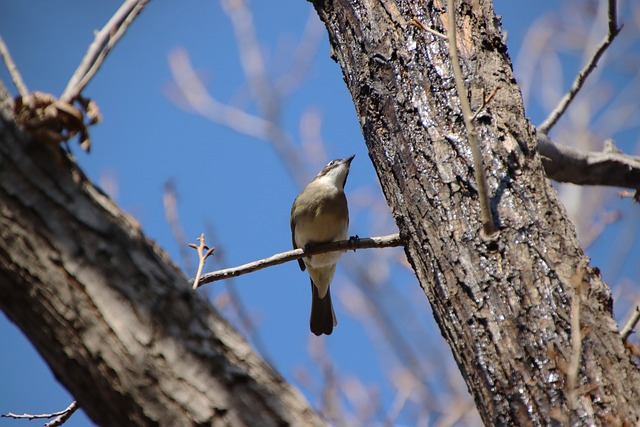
<point x="505" y="305"/>
<point x="110" y="313"/>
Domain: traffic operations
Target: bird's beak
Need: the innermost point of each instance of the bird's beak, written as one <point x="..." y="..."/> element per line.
<point x="348" y="159"/>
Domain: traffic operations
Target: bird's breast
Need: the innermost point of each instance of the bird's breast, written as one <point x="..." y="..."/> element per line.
<point x="324" y="218"/>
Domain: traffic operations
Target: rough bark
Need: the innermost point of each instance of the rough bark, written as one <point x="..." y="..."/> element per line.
<point x="504" y="306"/>
<point x="110" y="313"/>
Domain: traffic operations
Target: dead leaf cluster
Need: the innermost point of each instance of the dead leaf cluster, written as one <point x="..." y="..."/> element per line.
<point x="50" y="120"/>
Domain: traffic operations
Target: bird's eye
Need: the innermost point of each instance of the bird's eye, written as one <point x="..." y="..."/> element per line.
<point x="331" y="163"/>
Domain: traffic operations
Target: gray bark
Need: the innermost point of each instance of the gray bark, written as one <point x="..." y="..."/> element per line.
<point x="504" y="306"/>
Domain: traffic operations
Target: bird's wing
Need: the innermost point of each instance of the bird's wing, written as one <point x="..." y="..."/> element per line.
<point x="293" y="235"/>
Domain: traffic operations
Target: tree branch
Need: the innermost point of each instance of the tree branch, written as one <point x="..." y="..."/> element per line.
<point x="613" y="31"/>
<point x="609" y="167"/>
<point x="631" y="324"/>
<point x="13" y="70"/>
<point x="104" y="41"/>
<point x="52" y="120"/>
<point x="60" y="416"/>
<point x="343" y="245"/>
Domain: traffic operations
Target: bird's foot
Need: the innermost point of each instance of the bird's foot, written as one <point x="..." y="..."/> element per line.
<point x="354" y="239"/>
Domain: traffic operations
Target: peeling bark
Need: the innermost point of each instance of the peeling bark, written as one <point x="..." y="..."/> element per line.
<point x="503" y="306"/>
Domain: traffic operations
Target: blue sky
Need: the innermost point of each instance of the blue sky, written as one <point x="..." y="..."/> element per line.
<point x="225" y="180"/>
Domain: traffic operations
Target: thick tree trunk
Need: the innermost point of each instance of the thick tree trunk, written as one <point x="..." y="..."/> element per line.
<point x="504" y="306"/>
<point x="112" y="316"/>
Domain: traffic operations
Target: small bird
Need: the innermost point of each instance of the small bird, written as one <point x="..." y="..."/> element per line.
<point x="320" y="215"/>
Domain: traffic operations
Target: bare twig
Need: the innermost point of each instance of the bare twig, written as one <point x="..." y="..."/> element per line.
<point x="251" y="58"/>
<point x="485" y="101"/>
<point x="237" y="304"/>
<point x="64" y="415"/>
<point x="626" y="194"/>
<point x="104" y="41"/>
<point x="262" y="88"/>
<point x="342" y="245"/>
<point x="193" y="95"/>
<point x="302" y="58"/>
<point x="266" y="123"/>
<point x="196" y="97"/>
<point x="170" y="204"/>
<point x="202" y="256"/>
<point x="13" y="70"/>
<point x="52" y="120"/>
<point x="488" y="227"/>
<point x="631" y="323"/>
<point x="60" y="417"/>
<point x="329" y="388"/>
<point x="420" y="25"/>
<point x="558" y="111"/>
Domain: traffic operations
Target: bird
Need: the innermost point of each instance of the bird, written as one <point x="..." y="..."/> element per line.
<point x="320" y="215"/>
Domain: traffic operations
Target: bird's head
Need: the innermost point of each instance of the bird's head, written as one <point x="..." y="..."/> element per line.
<point x="335" y="172"/>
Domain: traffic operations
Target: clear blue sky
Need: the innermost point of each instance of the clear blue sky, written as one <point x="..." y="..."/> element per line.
<point x="231" y="181"/>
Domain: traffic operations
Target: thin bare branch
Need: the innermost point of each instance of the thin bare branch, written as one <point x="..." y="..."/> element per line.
<point x="343" y="245"/>
<point x="631" y="323"/>
<point x="558" y="111"/>
<point x="237" y="304"/>
<point x="170" y="205"/>
<point x="198" y="99"/>
<point x="420" y="25"/>
<point x="485" y="101"/>
<point x="488" y="226"/>
<point x="105" y="40"/>
<point x="64" y="415"/>
<point x="193" y="96"/>
<point x="13" y="70"/>
<point x="60" y="417"/>
<point x="262" y="88"/>
<point x="251" y="59"/>
<point x="302" y="58"/>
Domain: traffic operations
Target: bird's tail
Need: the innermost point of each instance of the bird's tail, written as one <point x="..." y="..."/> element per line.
<point x="323" y="318"/>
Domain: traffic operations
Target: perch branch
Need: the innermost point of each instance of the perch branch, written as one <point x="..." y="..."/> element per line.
<point x="342" y="245"/>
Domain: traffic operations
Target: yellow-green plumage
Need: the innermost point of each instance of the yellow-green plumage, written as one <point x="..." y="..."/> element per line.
<point x="320" y="214"/>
